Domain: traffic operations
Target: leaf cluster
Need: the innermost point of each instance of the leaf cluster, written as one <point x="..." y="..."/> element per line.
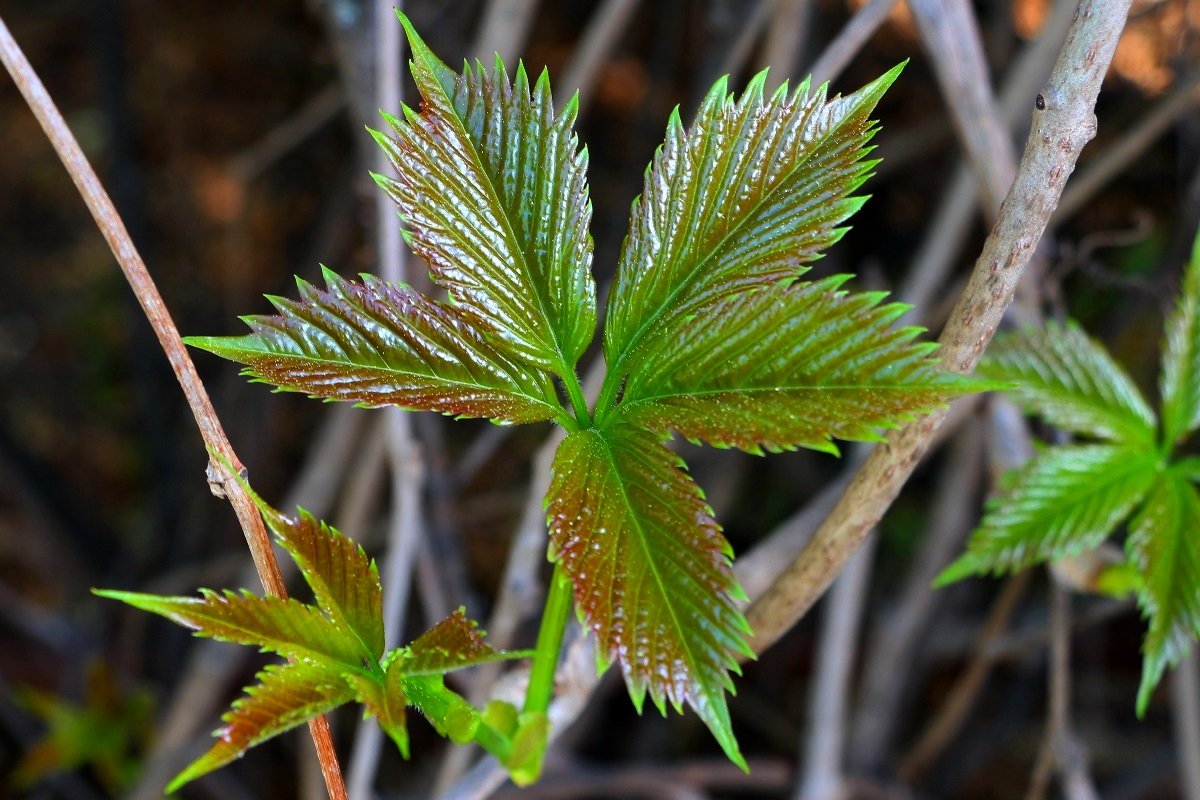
<point x="1072" y="497"/>
<point x="708" y="333"/>
<point x="335" y="650"/>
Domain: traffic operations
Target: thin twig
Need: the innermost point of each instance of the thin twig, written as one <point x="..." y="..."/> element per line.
<point x="953" y="712"/>
<point x="404" y="460"/>
<point x="1064" y="122"/>
<point x="1185" y="712"/>
<point x="829" y="700"/>
<point x="156" y="312"/>
<point x="932" y="263"/>
<point x="893" y="649"/>
<point x="784" y="47"/>
<point x="853" y="36"/>
<point x="950" y="34"/>
<point x="503" y="29"/>
<point x="1059" y="686"/>
<point x="320" y="109"/>
<point x="602" y="31"/>
<point x="1130" y="146"/>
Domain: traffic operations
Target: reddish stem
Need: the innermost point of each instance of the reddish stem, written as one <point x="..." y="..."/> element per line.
<point x="151" y="301"/>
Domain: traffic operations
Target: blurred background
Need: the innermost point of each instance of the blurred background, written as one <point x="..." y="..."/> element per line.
<point x="231" y="137"/>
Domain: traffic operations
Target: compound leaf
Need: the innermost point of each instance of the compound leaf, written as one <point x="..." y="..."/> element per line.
<point x="1061" y="503"/>
<point x="788" y="366"/>
<point x="492" y="189"/>
<point x="1066" y="377"/>
<point x="748" y="196"/>
<point x="1180" y="375"/>
<point x="379" y="344"/>
<point x="287" y="627"/>
<point x="1162" y="542"/>
<point x="344" y="581"/>
<point x="454" y="643"/>
<point x="650" y="569"/>
<point x="287" y="695"/>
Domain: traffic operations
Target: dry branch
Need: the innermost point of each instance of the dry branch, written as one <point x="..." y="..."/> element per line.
<point x="1064" y="121"/>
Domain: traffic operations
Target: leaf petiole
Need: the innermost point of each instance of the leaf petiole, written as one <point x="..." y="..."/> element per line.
<point x="549" y="642"/>
<point x="578" y="403"/>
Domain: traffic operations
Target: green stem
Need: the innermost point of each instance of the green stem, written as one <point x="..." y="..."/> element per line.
<point x="575" y="392"/>
<point x="608" y="392"/>
<point x="493" y="741"/>
<point x="549" y="642"/>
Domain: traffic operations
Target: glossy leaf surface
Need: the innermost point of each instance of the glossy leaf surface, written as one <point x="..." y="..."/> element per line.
<point x="287" y="695"/>
<point x="1164" y="543"/>
<point x="1061" y="503"/>
<point x="344" y="581"/>
<point x="1180" y="377"/>
<point x="492" y="190"/>
<point x="650" y="568"/>
<point x="287" y="627"/>
<point x="454" y="643"/>
<point x="380" y="344"/>
<point x="788" y="366"/>
<point x="747" y="196"/>
<point x="1061" y="374"/>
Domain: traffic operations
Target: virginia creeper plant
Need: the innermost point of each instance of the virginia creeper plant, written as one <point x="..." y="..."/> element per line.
<point x="1072" y="497"/>
<point x="708" y="333"/>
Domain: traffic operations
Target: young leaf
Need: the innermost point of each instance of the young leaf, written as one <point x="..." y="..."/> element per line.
<point x="386" y="701"/>
<point x="287" y="695"/>
<point x="287" y="627"/>
<point x="344" y="581"/>
<point x="491" y="186"/>
<point x="454" y="643"/>
<point x="1162" y="542"/>
<point x="1061" y="374"/>
<point x="1180" y="376"/>
<point x="1063" y="502"/>
<point x="379" y="344"/>
<point x="746" y="197"/>
<point x="788" y="366"/>
<point x="650" y="568"/>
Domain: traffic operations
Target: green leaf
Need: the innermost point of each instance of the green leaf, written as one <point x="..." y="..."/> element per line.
<point x="287" y="695"/>
<point x="454" y="643"/>
<point x="1180" y="376"/>
<point x="788" y="366"/>
<point x="1163" y="543"/>
<point x="446" y="710"/>
<point x="1061" y="503"/>
<point x="1070" y="379"/>
<point x="747" y="197"/>
<point x="344" y="581"/>
<point x="651" y="570"/>
<point x="381" y="344"/>
<point x="385" y="700"/>
<point x="491" y="186"/>
<point x="287" y="627"/>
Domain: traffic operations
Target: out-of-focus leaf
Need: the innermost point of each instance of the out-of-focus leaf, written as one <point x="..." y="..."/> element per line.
<point x="380" y="344"/>
<point x="1063" y="502"/>
<point x="651" y="570"/>
<point x="788" y="366"/>
<point x="1059" y="373"/>
<point x="287" y="627"/>
<point x="492" y="189"/>
<point x="287" y="695"/>
<point x="1164" y="541"/>
<point x="1180" y="376"/>
<point x="747" y="196"/>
